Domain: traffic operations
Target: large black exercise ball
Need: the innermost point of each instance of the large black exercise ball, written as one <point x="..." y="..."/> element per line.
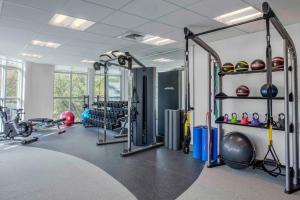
<point x="238" y="151"/>
<point x="265" y="90"/>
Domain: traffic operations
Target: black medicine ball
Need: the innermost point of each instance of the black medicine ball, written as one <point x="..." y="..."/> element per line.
<point x="242" y="91"/>
<point x="258" y="64"/>
<point x="278" y="62"/>
<point x="265" y="90"/>
<point x="228" y="67"/>
<point x="241" y="66"/>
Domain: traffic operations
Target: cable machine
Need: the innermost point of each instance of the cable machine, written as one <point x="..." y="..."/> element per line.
<point x="138" y="114"/>
<point x="105" y="62"/>
<point x="290" y="94"/>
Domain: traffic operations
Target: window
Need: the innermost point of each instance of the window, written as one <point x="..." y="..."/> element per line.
<point x="69" y="89"/>
<point x="113" y="84"/>
<point x="11" y="83"/>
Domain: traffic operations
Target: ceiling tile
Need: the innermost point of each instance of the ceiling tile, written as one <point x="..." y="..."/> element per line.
<point x="214" y="8"/>
<point x="155" y="28"/>
<point x="254" y="2"/>
<point x="183" y="3"/>
<point x="24" y="13"/>
<point x="85" y="10"/>
<point x="61" y="39"/>
<point x="183" y="18"/>
<point x="48" y="5"/>
<point x="287" y="10"/>
<point x="116" y="4"/>
<point x="149" y="9"/>
<point x="221" y="35"/>
<point x="107" y="30"/>
<point x="39" y="50"/>
<point x="124" y="20"/>
<point x="20" y="24"/>
<point x="253" y="27"/>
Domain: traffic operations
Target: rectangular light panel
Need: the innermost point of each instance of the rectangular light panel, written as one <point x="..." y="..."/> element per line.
<point x="70" y="22"/>
<point x="238" y="16"/>
<point x="52" y="45"/>
<point x="156" y="40"/>
<point x="88" y="61"/>
<point x="31" y="55"/>
<point x="163" y="60"/>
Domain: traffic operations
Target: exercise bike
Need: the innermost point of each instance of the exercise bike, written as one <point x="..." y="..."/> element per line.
<point x="15" y="127"/>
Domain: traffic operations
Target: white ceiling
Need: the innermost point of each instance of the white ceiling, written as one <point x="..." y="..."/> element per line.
<point x="24" y="20"/>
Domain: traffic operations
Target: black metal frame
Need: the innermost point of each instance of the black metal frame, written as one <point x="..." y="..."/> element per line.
<point x="291" y="92"/>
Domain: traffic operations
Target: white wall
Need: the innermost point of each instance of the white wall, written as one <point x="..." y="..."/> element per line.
<point x="39" y="82"/>
<point x="248" y="47"/>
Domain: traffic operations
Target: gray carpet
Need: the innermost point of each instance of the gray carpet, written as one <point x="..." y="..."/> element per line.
<point x="37" y="174"/>
<point x="224" y="183"/>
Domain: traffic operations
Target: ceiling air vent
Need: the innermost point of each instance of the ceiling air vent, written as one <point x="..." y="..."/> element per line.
<point x="132" y="36"/>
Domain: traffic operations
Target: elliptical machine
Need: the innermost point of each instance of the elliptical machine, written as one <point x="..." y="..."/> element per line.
<point x="15" y="127"/>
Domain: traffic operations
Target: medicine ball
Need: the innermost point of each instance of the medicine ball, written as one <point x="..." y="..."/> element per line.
<point x="265" y="90"/>
<point x="228" y="67"/>
<point x="242" y="91"/>
<point x="238" y="151"/>
<point x="258" y="64"/>
<point x="278" y="62"/>
<point x="241" y="66"/>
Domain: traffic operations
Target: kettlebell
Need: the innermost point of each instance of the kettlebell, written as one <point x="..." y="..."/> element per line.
<point x="244" y="119"/>
<point x="255" y="119"/>
<point x="281" y="121"/>
<point x="226" y="118"/>
<point x="234" y="118"/>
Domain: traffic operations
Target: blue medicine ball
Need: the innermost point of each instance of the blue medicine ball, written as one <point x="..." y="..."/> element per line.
<point x="265" y="90"/>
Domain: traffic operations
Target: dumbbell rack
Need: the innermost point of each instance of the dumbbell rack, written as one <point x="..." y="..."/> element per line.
<point x="111" y="119"/>
<point x="292" y="179"/>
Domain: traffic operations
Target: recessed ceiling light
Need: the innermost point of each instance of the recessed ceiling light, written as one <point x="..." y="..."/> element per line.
<point x="156" y="40"/>
<point x="88" y="61"/>
<point x="70" y="22"/>
<point x="45" y="44"/>
<point x="238" y="15"/>
<point x="163" y="60"/>
<point x="31" y="55"/>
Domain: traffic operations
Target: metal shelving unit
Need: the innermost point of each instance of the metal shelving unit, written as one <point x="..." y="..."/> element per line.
<point x="292" y="182"/>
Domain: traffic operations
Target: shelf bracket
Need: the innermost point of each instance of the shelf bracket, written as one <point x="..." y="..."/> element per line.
<point x="291" y="97"/>
<point x="291" y="128"/>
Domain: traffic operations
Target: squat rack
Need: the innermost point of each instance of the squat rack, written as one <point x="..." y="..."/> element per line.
<point x="290" y="95"/>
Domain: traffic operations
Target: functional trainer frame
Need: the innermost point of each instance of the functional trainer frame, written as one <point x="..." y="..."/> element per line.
<point x="290" y="94"/>
<point x="124" y="60"/>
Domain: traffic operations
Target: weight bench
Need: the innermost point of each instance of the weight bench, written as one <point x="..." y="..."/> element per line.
<point x="44" y="123"/>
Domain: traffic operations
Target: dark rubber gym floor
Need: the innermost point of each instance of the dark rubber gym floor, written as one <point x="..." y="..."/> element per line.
<point x="156" y="174"/>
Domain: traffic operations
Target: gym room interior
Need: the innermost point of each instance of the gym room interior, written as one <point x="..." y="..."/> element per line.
<point x="149" y="99"/>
